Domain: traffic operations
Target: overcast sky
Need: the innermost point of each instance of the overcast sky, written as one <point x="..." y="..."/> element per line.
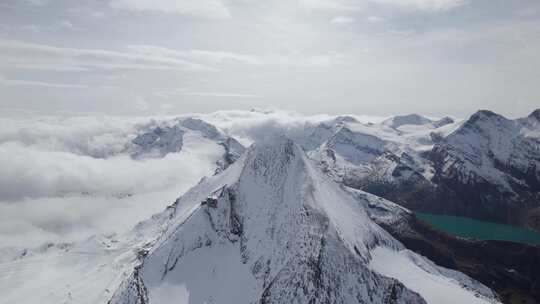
<point x="373" y="57"/>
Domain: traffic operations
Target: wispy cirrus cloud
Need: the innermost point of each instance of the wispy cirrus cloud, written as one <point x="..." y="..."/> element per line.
<point x="25" y="55"/>
<point x="213" y="9"/>
<point x="219" y="94"/>
<point x="333" y="5"/>
<point x="427" y="5"/>
<point x="358" y="6"/>
<point x="18" y="82"/>
<point x="197" y="55"/>
<point x="342" y="20"/>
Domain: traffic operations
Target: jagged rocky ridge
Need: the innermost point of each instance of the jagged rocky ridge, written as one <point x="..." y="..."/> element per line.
<point x="168" y="137"/>
<point x="391" y="161"/>
<point x="486" y="167"/>
<point x="490" y="168"/>
<point x="272" y="229"/>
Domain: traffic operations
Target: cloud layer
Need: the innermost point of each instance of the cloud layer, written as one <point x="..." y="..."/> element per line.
<point x="198" y="8"/>
<point x="376" y="57"/>
<point x="66" y="179"/>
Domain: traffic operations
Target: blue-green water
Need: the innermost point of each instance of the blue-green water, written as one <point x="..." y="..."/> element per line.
<point x="469" y="228"/>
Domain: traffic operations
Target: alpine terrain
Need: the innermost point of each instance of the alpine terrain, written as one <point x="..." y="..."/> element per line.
<point x="316" y="211"/>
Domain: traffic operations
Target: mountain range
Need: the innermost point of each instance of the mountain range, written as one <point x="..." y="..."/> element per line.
<point x="319" y="213"/>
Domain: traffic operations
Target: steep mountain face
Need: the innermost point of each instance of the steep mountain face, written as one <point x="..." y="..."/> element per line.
<point x="272" y="229"/>
<point x="386" y="159"/>
<point x="490" y="168"/>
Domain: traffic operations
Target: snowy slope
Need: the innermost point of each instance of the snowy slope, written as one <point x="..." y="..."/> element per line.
<point x="486" y="167"/>
<point x="273" y="229"/>
<point x="271" y="226"/>
<point x="158" y="139"/>
<point x="488" y="145"/>
<point x="65" y="179"/>
<point x="383" y="157"/>
<point x="84" y="273"/>
<point x="490" y="166"/>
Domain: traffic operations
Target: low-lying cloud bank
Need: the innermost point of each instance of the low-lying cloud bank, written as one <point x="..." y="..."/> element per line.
<point x="66" y="178"/>
<point x="249" y="126"/>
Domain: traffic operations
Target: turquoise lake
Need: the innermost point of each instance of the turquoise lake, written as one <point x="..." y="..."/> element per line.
<point x="470" y="228"/>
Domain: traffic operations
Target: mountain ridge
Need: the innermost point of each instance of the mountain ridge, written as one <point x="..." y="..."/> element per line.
<point x="293" y="229"/>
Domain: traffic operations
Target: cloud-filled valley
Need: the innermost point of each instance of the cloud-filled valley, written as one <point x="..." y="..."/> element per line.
<point x="71" y="178"/>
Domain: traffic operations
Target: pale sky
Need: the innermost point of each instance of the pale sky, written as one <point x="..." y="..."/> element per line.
<point x="372" y="57"/>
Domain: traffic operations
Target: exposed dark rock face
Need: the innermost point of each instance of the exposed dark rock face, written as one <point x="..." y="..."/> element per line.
<point x="158" y="141"/>
<point x="510" y="269"/>
<point x="133" y="286"/>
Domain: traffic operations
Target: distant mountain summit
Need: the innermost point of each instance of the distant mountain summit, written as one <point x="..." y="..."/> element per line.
<point x="160" y="140"/>
<point x="411" y="119"/>
<point x="486" y="167"/>
<point x="489" y="168"/>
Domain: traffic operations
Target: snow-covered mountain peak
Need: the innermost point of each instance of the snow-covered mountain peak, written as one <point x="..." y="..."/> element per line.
<point x="345" y="118"/>
<point x="535" y="114"/>
<point x="205" y="128"/>
<point x="269" y="229"/>
<point x="484" y="117"/>
<point x="355" y="147"/>
<point x="443" y="122"/>
<point x="410" y="119"/>
<point x="494" y="151"/>
<point x="158" y="139"/>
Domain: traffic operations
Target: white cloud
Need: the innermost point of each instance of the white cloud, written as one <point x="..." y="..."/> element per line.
<point x="374" y="19"/>
<point x="141" y="104"/>
<point x="16" y="83"/>
<point x="332" y="5"/>
<point x="64" y="179"/>
<point x="37" y="2"/>
<point x="62" y="25"/>
<point x="200" y="8"/>
<point x="219" y="94"/>
<point x="323" y="60"/>
<point x="257" y="124"/>
<point x="357" y="6"/>
<point x="65" y="24"/>
<point x="197" y="55"/>
<point x="31" y="28"/>
<point x="25" y="55"/>
<point x="342" y="20"/>
<point x="428" y="5"/>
